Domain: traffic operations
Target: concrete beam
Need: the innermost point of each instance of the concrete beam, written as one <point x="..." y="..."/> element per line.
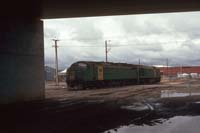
<point x="84" y="8"/>
<point x="48" y="9"/>
<point x="21" y="60"/>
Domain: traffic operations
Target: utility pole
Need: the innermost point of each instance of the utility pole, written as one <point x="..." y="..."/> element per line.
<point x="56" y="59"/>
<point x="106" y="49"/>
<point x="167" y="67"/>
<point x="181" y="69"/>
<point x="138" y="69"/>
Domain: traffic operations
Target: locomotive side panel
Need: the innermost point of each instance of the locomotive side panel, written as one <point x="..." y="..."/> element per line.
<point x="119" y="73"/>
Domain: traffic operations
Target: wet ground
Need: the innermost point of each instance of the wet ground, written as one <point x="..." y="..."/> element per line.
<point x="166" y="107"/>
<point x="177" y="124"/>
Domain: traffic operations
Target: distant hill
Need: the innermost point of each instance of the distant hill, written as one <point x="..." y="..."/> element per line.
<point x="49" y="73"/>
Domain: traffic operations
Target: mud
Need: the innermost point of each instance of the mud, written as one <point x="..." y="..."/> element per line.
<point x="144" y="108"/>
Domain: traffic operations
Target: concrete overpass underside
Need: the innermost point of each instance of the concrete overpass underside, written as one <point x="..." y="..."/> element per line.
<point x="21" y="36"/>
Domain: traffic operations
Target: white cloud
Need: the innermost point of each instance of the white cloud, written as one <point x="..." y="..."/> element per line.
<point x="151" y="37"/>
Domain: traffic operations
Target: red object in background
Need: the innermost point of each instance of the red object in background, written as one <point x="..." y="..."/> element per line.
<point x="172" y="71"/>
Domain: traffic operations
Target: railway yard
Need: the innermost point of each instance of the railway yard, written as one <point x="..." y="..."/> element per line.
<point x="140" y="108"/>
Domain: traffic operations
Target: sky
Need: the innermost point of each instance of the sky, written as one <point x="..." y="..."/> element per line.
<point x="152" y="38"/>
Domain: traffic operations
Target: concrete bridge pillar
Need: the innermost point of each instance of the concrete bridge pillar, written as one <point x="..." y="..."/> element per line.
<point x="21" y="60"/>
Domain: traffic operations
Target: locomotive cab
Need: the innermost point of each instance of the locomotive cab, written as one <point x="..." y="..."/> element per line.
<point x="75" y="73"/>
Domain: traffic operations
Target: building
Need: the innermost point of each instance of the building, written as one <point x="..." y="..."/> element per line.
<point x="62" y="75"/>
<point x="174" y="71"/>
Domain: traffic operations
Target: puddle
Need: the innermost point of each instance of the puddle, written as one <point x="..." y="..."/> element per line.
<point x="198" y="102"/>
<point x="94" y="116"/>
<point x="139" y="107"/>
<point x="177" y="124"/>
<point x="173" y="93"/>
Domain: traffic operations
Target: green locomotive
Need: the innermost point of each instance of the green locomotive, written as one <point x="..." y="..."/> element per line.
<point x="88" y="74"/>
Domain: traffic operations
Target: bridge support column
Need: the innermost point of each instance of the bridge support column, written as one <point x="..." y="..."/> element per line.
<point x="21" y="60"/>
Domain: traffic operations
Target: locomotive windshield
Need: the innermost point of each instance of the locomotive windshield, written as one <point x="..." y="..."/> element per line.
<point x="82" y="65"/>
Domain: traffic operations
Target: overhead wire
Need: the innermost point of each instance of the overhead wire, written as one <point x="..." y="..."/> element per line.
<point x="118" y="45"/>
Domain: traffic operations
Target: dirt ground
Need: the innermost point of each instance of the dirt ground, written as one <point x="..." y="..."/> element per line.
<point x="103" y="110"/>
<point x="138" y="92"/>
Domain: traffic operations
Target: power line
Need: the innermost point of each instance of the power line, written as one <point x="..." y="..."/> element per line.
<point x="117" y="58"/>
<point x="81" y="46"/>
<point x="121" y="45"/>
<point x="118" y="37"/>
<point x="117" y="45"/>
